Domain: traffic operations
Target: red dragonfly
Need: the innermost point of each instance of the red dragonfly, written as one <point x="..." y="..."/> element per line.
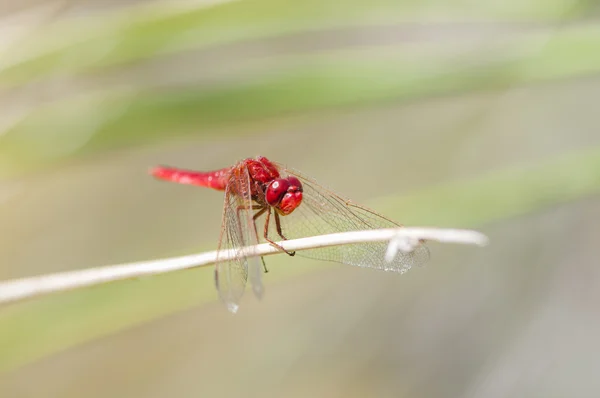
<point x="298" y="207"/>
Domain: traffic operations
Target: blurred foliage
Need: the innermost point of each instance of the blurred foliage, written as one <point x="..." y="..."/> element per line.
<point x="136" y="76"/>
<point x="99" y="117"/>
<point x="146" y="31"/>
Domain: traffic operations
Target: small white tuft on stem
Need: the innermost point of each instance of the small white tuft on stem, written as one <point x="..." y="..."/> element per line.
<point x="403" y="239"/>
<point x="400" y="243"/>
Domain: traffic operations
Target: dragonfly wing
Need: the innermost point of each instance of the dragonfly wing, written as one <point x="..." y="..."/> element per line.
<point x="237" y="231"/>
<point x="323" y="212"/>
<point x="249" y="231"/>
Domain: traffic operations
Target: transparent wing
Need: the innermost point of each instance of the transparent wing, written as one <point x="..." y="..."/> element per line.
<point x="238" y="230"/>
<point x="323" y="212"/>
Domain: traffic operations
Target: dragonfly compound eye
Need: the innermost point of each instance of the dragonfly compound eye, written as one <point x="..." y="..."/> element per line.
<point x="276" y="190"/>
<point x="294" y="182"/>
<point x="292" y="197"/>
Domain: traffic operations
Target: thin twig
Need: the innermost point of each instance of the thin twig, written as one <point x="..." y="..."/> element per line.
<point x="400" y="239"/>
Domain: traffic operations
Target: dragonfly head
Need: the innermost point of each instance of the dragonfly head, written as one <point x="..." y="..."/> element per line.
<point x="284" y="194"/>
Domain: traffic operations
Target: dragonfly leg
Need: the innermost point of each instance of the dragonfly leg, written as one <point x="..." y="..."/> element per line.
<point x="278" y="226"/>
<point x="264" y="264"/>
<point x="254" y="207"/>
<point x="258" y="214"/>
<point x="261" y="210"/>
<point x="266" y="235"/>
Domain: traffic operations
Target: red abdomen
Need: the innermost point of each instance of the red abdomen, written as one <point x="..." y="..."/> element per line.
<point x="211" y="179"/>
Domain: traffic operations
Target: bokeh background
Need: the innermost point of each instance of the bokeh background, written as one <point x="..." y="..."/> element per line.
<point x="472" y="114"/>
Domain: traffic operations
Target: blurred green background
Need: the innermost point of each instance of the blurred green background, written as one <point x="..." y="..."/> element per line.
<point x="454" y="114"/>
